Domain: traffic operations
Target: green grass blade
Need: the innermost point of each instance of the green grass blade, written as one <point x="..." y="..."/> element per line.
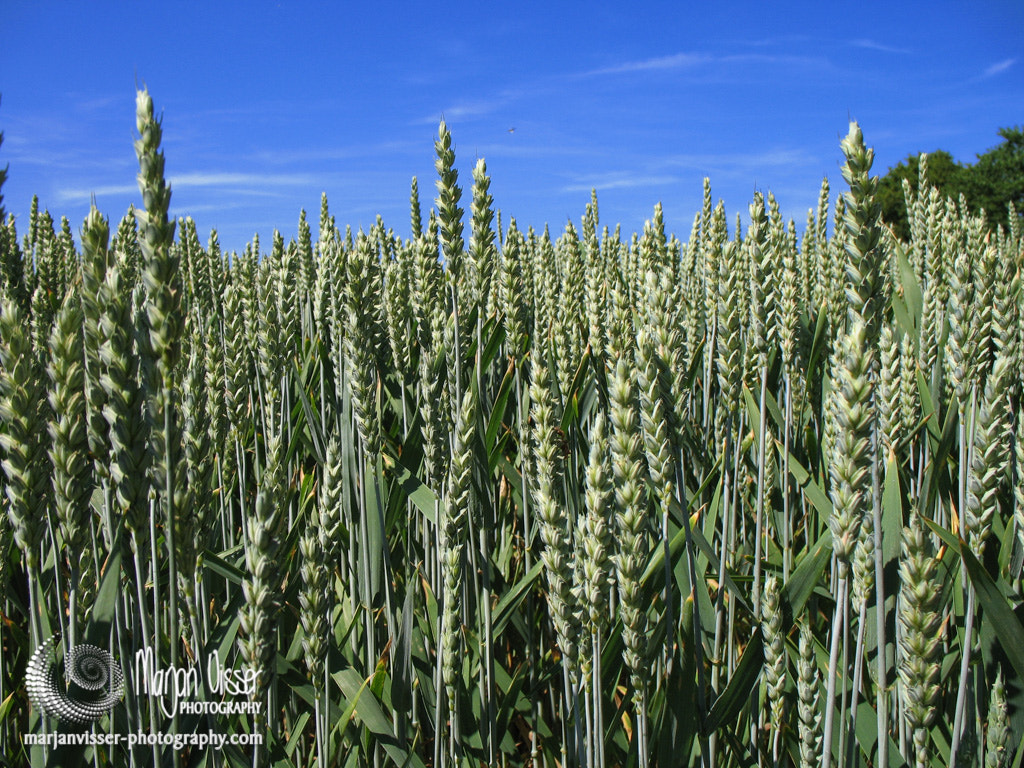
<point x="736" y="695"/>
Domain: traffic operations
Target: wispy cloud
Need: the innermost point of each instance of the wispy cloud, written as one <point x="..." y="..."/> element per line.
<point x="82" y="193"/>
<point x="680" y="61"/>
<point x="771" y="59"/>
<point x="241" y="179"/>
<point x="744" y="164"/>
<point x="876" y="46"/>
<point x="620" y="180"/>
<point x="675" y="61"/>
<point x="327" y="154"/>
<point x="773" y="42"/>
<point x="98" y="103"/>
<point x="60" y="142"/>
<point x="999" y="67"/>
<point x="69" y="160"/>
<point x="514" y="149"/>
<point x="191" y="210"/>
<point x="254" y="183"/>
<point x="466" y="110"/>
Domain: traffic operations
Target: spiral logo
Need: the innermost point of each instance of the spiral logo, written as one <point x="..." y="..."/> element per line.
<point x="93" y="671"/>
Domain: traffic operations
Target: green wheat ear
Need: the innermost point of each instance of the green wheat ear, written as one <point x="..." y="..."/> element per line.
<point x="95" y="261"/>
<point x="775" y="652"/>
<point x="449" y="213"/>
<point x="69" y="444"/>
<point x="125" y="406"/>
<point x="595" y="542"/>
<point x="556" y="531"/>
<point x="258" y="613"/>
<point x="362" y="340"/>
<point x="851" y="452"/>
<point x="156" y="234"/>
<point x="864" y="267"/>
<point x="457" y="510"/>
<point x="808" y="706"/>
<point x="998" y="752"/>
<point x="482" y="253"/>
<point x="919" y="617"/>
<point x="1018" y="489"/>
<point x="632" y="517"/>
<point x="991" y="456"/>
<point x="24" y="462"/>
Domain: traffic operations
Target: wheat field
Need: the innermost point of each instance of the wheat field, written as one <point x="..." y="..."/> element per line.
<point x="479" y="496"/>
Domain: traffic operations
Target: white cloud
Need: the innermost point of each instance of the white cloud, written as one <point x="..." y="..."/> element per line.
<point x="999" y="67"/>
<point x="471" y="109"/>
<point x="693" y="60"/>
<point x="874" y="46"/>
<point x="744" y="163"/>
<point x="254" y="183"/>
<point x="327" y="154"/>
<point x="82" y="193"/>
<point x="99" y="103"/>
<point x="619" y="181"/>
<point x="242" y="179"/>
<point x="192" y="210"/>
<point x="674" y="61"/>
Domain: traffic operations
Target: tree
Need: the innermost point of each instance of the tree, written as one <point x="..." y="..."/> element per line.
<point x="949" y="176"/>
<point x="3" y="178"/>
<point x="996" y="179"/>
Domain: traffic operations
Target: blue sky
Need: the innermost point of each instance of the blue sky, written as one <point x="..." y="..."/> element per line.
<point x="267" y="104"/>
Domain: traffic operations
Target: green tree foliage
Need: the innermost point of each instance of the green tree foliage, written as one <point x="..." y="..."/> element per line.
<point x="943" y="172"/>
<point x="998" y="177"/>
<point x="3" y="178"/>
<point x="990" y="184"/>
